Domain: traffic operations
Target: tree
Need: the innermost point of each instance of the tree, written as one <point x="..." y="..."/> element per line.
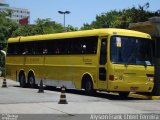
<point x="7" y="27"/>
<point x="71" y="28"/>
<point x="47" y="26"/>
<point x="41" y="26"/>
<point x="122" y="18"/>
<point x="24" y="30"/>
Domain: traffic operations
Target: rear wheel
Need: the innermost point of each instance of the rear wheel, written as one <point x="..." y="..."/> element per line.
<point x="22" y="80"/>
<point x="123" y="94"/>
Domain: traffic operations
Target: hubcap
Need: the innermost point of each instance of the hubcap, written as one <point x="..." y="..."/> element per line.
<point x="88" y="86"/>
<point x="31" y="81"/>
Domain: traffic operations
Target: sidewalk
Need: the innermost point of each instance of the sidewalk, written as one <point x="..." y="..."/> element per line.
<point x="10" y="83"/>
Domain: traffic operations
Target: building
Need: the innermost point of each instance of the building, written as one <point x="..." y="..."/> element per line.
<point x="20" y="15"/>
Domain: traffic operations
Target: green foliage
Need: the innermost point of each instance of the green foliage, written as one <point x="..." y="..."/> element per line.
<point x="121" y="18"/>
<point x="71" y="28"/>
<point x="46" y="26"/>
<point x="41" y="26"/>
<point x="7" y="27"/>
<point x="24" y="31"/>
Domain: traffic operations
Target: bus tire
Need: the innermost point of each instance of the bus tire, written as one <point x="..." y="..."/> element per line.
<point x="31" y="80"/>
<point x="22" y="80"/>
<point x="123" y="94"/>
<point x="88" y="86"/>
<point x="156" y="90"/>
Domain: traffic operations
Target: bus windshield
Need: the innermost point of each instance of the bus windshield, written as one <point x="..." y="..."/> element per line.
<point x="131" y="50"/>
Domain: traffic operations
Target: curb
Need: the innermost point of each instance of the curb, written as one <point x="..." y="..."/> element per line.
<point x="145" y="96"/>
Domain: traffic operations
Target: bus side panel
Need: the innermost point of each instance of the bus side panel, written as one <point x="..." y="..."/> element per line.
<point x="13" y="65"/>
<point x="55" y="68"/>
<point x="34" y="63"/>
<point x="70" y="68"/>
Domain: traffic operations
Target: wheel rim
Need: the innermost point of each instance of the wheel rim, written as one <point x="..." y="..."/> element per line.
<point x="31" y="80"/>
<point x="22" y="78"/>
<point x="22" y="81"/>
<point x="88" y="86"/>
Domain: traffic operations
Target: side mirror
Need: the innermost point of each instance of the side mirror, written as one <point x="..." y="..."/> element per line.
<point x="3" y="52"/>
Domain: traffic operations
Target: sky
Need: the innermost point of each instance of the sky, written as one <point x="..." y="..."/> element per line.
<point x="82" y="11"/>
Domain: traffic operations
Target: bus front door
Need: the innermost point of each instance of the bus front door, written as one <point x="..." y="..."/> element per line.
<point x="102" y="81"/>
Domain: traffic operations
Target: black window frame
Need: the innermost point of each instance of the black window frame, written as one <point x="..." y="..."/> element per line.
<point x="67" y="46"/>
<point x="127" y="63"/>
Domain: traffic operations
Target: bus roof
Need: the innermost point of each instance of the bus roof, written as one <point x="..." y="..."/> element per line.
<point x="84" y="33"/>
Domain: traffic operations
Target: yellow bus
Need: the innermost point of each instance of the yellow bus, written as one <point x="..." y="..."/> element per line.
<point x="116" y="60"/>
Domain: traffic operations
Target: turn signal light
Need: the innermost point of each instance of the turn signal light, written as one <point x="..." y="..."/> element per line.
<point x="111" y="77"/>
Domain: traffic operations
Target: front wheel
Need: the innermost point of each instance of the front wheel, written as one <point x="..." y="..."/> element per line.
<point x="89" y="87"/>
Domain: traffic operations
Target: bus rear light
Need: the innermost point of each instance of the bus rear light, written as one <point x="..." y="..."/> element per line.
<point x="111" y="77"/>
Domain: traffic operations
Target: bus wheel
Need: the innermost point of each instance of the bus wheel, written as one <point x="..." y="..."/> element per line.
<point x="31" y="81"/>
<point x="123" y="94"/>
<point x="89" y="87"/>
<point x="22" y="80"/>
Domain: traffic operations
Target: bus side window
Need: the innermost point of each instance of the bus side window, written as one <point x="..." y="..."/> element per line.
<point x="25" y="51"/>
<point x="12" y="49"/>
<point x="57" y="51"/>
<point x="84" y="47"/>
<point x="45" y="51"/>
<point x="103" y="51"/>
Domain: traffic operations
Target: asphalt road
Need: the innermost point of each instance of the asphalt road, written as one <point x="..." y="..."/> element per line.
<point x="21" y="101"/>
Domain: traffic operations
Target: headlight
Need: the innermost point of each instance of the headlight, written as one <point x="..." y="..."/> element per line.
<point x="151" y="79"/>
